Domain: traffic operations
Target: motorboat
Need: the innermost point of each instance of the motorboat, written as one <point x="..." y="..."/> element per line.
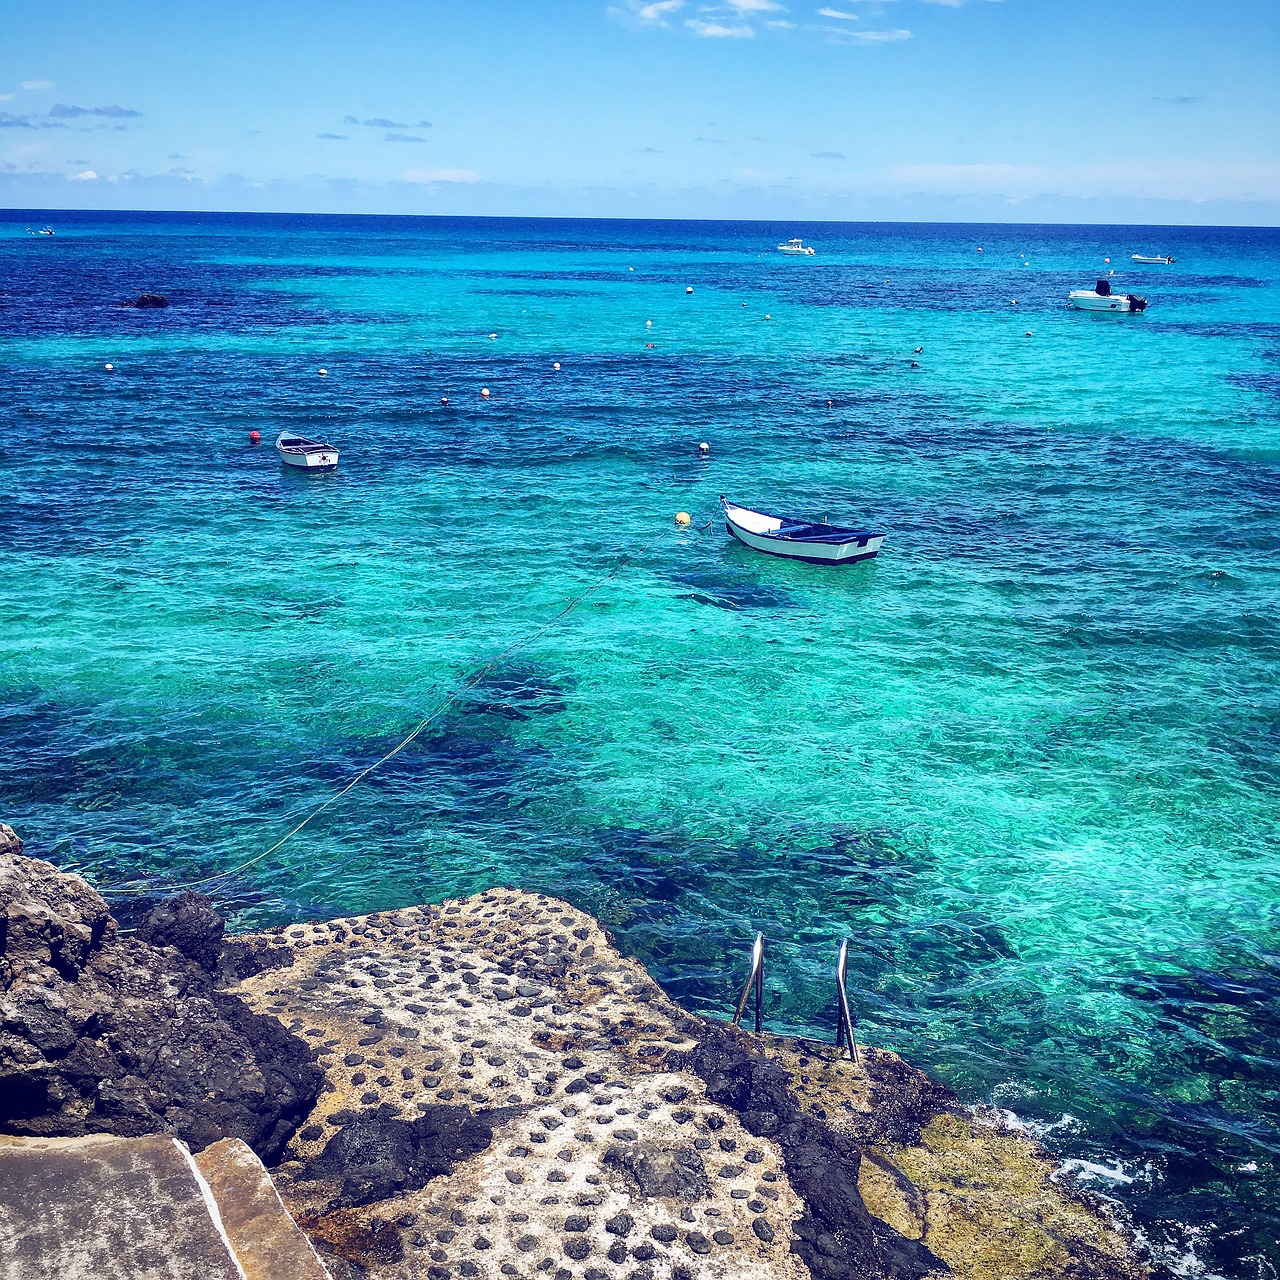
<point x="799" y="539"/>
<point x="797" y="246"/>
<point x="306" y="455"/>
<point x="1156" y="260"/>
<point x="1100" y="298"/>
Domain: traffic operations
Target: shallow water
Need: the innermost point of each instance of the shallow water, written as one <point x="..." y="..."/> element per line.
<point x="1027" y="760"/>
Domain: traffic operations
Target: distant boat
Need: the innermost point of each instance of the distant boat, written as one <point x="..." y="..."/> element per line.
<point x="1153" y="261"/>
<point x="799" y="539"/>
<point x="797" y="246"/>
<point x="306" y="455"/>
<point x="1100" y="298"/>
<point x="44" y="231"/>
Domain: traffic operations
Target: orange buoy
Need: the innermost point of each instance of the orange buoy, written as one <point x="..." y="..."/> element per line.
<point x="254" y="437"/>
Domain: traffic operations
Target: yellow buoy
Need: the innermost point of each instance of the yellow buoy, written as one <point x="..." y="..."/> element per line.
<point x="683" y="518"/>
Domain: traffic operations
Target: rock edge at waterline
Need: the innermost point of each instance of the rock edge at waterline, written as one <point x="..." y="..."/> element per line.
<point x="487" y="1088"/>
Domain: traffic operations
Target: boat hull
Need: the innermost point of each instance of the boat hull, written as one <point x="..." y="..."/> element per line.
<point x="327" y="461"/>
<point x="1117" y="302"/>
<point x="808" y="552"/>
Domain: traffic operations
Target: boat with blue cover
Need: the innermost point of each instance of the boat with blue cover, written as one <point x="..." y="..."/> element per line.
<point x="807" y="540"/>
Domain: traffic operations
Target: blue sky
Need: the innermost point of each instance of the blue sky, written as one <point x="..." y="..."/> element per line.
<point x="1039" y="110"/>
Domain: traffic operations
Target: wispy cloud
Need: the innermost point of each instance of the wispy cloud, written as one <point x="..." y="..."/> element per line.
<point x="61" y="111"/>
<point x="441" y="175"/>
<point x="741" y="7"/>
<point x="829" y="155"/>
<point x="335" y="137"/>
<point x="1181" y="100"/>
<point x="851" y="35"/>
<point x="87" y="176"/>
<point x="718" y="31"/>
<point x="402" y="137"/>
<point x="37" y="84"/>
<point x="640" y="14"/>
<point x="382" y="122"/>
<point x="10" y="121"/>
<point x="839" y="14"/>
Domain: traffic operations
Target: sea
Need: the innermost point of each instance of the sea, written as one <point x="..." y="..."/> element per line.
<point x="1027" y="761"/>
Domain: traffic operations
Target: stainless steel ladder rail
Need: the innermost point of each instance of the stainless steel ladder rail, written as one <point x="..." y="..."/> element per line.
<point x="844" y="1023"/>
<point x="754" y="979"/>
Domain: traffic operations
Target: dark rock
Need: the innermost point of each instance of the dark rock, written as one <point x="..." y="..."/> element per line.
<point x="146" y="300"/>
<point x="698" y="1242"/>
<point x="577" y="1248"/>
<point x="620" y="1225"/>
<point x="763" y="1230"/>
<point x="379" y="1154"/>
<point x="105" y="1034"/>
<point x="663" y="1232"/>
<point x="836" y="1237"/>
<point x="655" y="1170"/>
<point x="189" y="923"/>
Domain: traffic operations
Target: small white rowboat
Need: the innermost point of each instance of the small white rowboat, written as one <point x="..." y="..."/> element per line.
<point x="799" y="539"/>
<point x="306" y="455"/>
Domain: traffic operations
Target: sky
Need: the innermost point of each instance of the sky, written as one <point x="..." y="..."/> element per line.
<point x="1148" y="111"/>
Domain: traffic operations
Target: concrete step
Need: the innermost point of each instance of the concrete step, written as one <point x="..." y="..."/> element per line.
<point x="143" y="1209"/>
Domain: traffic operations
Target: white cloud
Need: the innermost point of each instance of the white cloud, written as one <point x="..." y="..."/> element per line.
<point x="717" y="30"/>
<point x="839" y="14"/>
<point x="881" y="37"/>
<point x="441" y="175"/>
<point x="37" y="84"/>
<point x="741" y="7"/>
<point x="646" y="13"/>
<point x="87" y="175"/>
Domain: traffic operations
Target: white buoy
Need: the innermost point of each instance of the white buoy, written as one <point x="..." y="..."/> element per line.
<point x="109" y="367"/>
<point x="688" y="288"/>
<point x="767" y="316"/>
<point x="556" y="366"/>
<point x="324" y="373"/>
<point x="484" y="393"/>
<point x="493" y="335"/>
<point x="631" y="268"/>
<point x="1028" y="333"/>
<point x="648" y="324"/>
<point x="704" y="447"/>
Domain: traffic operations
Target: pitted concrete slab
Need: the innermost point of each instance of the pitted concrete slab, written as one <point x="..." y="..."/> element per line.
<point x="98" y="1207"/>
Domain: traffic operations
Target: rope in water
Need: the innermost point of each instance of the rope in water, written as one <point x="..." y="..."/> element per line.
<point x="620" y="562"/>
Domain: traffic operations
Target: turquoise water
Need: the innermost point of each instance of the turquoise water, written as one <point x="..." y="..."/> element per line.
<point x="1027" y="760"/>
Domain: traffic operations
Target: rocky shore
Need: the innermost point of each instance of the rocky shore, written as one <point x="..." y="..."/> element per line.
<point x="487" y="1088"/>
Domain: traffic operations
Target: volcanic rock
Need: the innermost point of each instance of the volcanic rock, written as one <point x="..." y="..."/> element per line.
<point x="101" y="1033"/>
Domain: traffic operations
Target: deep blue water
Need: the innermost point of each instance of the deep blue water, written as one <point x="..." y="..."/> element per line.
<point x="1027" y="760"/>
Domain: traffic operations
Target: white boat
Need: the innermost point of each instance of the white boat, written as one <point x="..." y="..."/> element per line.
<point x="1152" y="261"/>
<point x="46" y="231"/>
<point x="799" y="539"/>
<point x="797" y="246"/>
<point x="306" y="455"/>
<point x="1100" y="298"/>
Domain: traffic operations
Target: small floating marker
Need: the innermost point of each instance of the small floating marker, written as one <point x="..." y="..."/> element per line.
<point x="556" y="366"/>
<point x="919" y="350"/>
<point x="109" y="367"/>
<point x="688" y="288"/>
<point x="1013" y="302"/>
<point x="767" y="316"/>
<point x="493" y="335"/>
<point x="979" y="248"/>
<point x="683" y="519"/>
<point x="444" y="399"/>
<point x="1106" y="259"/>
<point x="915" y="364"/>
<point x="324" y="373"/>
<point x="255" y="437"/>
<point x="1029" y="334"/>
<point x="650" y="344"/>
<point x="484" y="393"/>
<point x="704" y="447"/>
<point x="648" y="324"/>
<point x="831" y="404"/>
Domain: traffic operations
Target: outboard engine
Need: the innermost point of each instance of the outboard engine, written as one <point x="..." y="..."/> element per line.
<point x="1102" y="289"/>
<point x="1136" y="303"/>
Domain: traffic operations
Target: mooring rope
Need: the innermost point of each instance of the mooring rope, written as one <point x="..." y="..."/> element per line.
<point x="620" y="562"/>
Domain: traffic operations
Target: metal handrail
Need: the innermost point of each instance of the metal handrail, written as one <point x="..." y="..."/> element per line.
<point x="844" y="1023"/>
<point x="754" y="979"/>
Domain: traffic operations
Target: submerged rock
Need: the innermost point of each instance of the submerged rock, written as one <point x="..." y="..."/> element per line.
<point x="101" y="1033"/>
<point x="145" y="300"/>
